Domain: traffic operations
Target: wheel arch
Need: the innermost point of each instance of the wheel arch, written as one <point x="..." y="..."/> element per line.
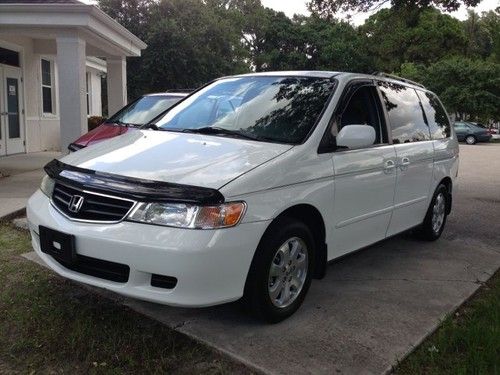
<point x="310" y="216"/>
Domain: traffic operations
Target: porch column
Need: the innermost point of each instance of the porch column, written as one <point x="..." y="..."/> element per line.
<point x="72" y="96"/>
<point x="117" y="83"/>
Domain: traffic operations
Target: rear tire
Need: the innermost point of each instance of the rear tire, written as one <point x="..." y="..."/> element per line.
<point x="435" y="219"/>
<point x="470" y="140"/>
<point x="281" y="271"/>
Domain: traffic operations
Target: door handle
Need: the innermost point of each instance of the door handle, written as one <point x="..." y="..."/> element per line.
<point x="405" y="162"/>
<point x="4" y="113"/>
<point x="389" y="166"/>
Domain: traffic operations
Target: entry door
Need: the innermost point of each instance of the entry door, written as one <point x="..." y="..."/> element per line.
<point x="11" y="111"/>
<point x="364" y="194"/>
<point x="365" y="179"/>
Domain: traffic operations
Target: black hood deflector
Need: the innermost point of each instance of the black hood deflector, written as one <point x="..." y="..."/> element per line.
<point x="130" y="187"/>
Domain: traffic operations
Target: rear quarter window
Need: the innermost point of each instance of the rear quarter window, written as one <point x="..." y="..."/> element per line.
<point x="406" y="116"/>
<point x="439" y="123"/>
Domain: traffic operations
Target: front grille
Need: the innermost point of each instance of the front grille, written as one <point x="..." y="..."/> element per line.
<point x="102" y="269"/>
<point x="95" y="207"/>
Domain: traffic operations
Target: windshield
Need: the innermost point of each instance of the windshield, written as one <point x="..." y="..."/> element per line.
<point x="144" y="109"/>
<point x="276" y="109"/>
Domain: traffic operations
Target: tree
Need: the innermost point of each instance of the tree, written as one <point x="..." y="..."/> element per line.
<point x="328" y="8"/>
<point x="491" y="22"/>
<point x="470" y="88"/>
<point x="135" y="15"/>
<point x="433" y="36"/>
<point x="333" y="45"/>
<point x="479" y="40"/>
<point x="189" y="43"/>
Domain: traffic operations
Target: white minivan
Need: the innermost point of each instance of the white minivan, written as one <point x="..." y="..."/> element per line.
<point x="248" y="188"/>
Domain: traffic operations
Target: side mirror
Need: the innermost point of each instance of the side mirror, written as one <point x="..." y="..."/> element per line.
<point x="356" y="136"/>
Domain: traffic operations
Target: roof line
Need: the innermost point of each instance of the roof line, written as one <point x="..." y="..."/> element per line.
<point x="91" y="10"/>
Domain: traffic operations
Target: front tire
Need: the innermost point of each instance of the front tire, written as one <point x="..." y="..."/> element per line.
<point x="470" y="140"/>
<point x="435" y="219"/>
<point x="281" y="271"/>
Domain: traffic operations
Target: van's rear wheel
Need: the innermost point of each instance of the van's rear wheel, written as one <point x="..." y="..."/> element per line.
<point x="281" y="270"/>
<point x="435" y="219"/>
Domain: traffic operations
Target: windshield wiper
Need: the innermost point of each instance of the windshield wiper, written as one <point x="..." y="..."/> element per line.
<point x="150" y="126"/>
<point x="217" y="130"/>
<point x="121" y="123"/>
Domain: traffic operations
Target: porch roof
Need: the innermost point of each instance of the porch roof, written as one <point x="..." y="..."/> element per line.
<point x="104" y="34"/>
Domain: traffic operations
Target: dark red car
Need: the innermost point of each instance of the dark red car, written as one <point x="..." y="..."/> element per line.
<point x="129" y="118"/>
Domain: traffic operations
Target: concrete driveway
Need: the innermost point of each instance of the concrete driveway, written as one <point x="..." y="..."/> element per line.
<point x="20" y="176"/>
<point x="374" y="306"/>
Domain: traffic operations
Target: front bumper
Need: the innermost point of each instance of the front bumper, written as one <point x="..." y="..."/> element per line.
<point x="484" y="137"/>
<point x="211" y="266"/>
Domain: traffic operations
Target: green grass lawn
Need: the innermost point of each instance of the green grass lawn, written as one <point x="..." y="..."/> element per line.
<point x="50" y="325"/>
<point x="468" y="342"/>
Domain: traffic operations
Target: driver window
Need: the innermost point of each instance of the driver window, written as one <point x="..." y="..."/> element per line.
<point x="364" y="109"/>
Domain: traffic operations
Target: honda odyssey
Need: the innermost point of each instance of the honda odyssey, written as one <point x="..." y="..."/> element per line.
<point x="248" y="187"/>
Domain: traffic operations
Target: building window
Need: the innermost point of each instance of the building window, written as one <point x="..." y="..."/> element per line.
<point x="87" y="91"/>
<point x="47" y="86"/>
<point x="9" y="57"/>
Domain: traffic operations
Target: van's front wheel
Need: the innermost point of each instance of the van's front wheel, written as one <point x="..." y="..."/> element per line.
<point x="280" y="275"/>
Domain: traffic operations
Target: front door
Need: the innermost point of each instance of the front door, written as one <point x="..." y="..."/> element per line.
<point x="365" y="179"/>
<point x="11" y="111"/>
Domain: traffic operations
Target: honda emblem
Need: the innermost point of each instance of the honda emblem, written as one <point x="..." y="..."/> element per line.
<point x="75" y="204"/>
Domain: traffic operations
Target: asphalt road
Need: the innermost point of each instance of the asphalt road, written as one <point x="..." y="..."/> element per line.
<point x="374" y="306"/>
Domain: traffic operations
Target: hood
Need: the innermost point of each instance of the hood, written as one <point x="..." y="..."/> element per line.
<point x="190" y="159"/>
<point x="101" y="133"/>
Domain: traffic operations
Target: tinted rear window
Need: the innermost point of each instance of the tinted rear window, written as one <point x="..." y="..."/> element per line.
<point x="406" y="116"/>
<point x="437" y="118"/>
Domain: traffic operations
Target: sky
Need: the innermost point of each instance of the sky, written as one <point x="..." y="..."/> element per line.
<point x="290" y="7"/>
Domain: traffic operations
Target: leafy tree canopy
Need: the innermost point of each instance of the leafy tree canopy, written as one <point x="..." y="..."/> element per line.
<point x="468" y="87"/>
<point x="191" y="42"/>
<point x="434" y="35"/>
<point x="328" y="8"/>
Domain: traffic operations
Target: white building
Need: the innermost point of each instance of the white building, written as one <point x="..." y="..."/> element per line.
<point x="52" y="56"/>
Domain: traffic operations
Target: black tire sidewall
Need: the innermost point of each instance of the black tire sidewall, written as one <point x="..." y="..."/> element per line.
<point x="257" y="283"/>
<point x="427" y="231"/>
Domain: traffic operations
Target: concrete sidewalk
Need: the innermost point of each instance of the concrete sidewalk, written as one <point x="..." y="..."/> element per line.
<point x="24" y="173"/>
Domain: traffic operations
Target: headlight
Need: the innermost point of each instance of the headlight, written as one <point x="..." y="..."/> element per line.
<point x="47" y="186"/>
<point x="189" y="216"/>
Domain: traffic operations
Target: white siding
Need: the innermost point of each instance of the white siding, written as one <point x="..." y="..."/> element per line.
<point x="43" y="130"/>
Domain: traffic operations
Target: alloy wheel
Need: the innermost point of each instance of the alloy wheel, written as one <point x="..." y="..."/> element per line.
<point x="288" y="272"/>
<point x="470" y="140"/>
<point x="438" y="213"/>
